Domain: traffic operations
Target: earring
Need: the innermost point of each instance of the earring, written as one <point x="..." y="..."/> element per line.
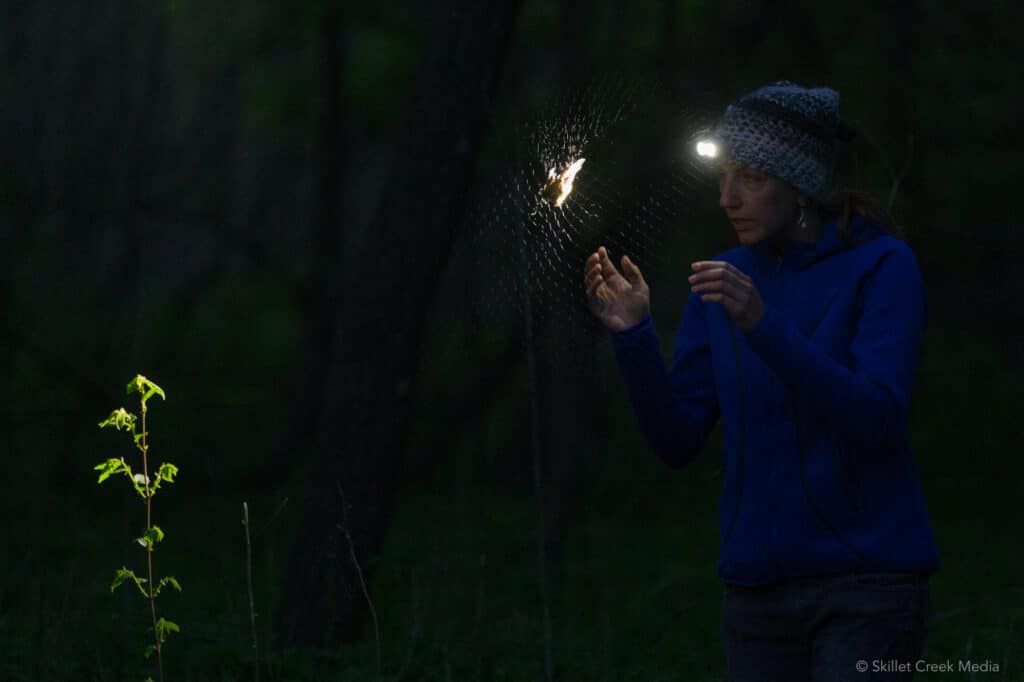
<point x="802" y="222"/>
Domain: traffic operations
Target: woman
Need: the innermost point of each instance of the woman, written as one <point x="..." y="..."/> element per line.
<point x="805" y="339"/>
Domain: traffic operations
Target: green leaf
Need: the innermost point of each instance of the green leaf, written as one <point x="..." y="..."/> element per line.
<point x="140" y="436"/>
<point x="154" y="389"/>
<point x="122" y="575"/>
<point x="170" y="580"/>
<point x="164" y="626"/>
<point x="121" y="419"/>
<point x="150" y="650"/>
<point x="167" y="472"/>
<point x="109" y="468"/>
<point x="152" y="536"/>
<point x="146" y="387"/>
<point x="119" y="577"/>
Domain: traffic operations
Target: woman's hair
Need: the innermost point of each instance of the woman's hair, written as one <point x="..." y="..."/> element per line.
<point x="846" y="201"/>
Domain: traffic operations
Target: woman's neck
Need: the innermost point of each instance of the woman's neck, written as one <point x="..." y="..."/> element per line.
<point x="793" y="233"/>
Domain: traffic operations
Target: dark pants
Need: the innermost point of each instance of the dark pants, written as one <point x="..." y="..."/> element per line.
<point x="836" y="628"/>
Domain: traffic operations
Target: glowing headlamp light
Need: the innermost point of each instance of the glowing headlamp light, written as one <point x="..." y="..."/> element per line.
<point x="707" y="149"/>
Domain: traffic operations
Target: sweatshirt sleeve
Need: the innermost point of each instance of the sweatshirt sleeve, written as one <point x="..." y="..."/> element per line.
<point x="870" y="404"/>
<point x="675" y="410"/>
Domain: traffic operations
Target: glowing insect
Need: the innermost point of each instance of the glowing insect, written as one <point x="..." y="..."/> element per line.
<point x="559" y="185"/>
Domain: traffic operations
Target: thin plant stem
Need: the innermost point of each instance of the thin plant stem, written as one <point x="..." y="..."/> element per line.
<point x="252" y="603"/>
<point x="895" y="177"/>
<point x="343" y="527"/>
<point x="259" y="531"/>
<point x="897" y="180"/>
<point x="149" y="543"/>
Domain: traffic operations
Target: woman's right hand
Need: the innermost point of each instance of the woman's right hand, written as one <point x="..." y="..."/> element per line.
<point x="618" y="300"/>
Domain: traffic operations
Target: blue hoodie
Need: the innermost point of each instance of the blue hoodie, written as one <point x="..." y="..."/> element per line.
<point x="817" y="471"/>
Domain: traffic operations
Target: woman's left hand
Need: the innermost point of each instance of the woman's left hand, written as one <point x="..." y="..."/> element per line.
<point x="726" y="284"/>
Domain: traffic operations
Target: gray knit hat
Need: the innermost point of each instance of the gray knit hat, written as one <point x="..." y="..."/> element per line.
<point x="788" y="131"/>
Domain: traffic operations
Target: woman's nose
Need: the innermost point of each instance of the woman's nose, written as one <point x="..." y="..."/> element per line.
<point x="727" y="196"/>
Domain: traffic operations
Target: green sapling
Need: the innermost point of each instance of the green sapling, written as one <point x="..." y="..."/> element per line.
<point x="122" y="420"/>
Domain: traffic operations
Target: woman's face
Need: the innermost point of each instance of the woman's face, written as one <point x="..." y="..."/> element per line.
<point x="759" y="206"/>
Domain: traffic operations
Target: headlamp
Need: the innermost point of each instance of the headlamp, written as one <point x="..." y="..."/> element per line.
<point x="707" y="149"/>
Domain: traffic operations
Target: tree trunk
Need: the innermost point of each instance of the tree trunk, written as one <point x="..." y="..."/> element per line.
<point x="568" y="378"/>
<point x="903" y="119"/>
<point x="317" y="296"/>
<point x="572" y="40"/>
<point x="383" y="310"/>
<point x="668" y="50"/>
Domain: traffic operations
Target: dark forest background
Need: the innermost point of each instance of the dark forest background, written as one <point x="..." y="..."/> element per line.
<point x="264" y="208"/>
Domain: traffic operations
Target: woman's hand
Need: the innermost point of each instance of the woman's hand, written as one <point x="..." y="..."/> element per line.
<point x="726" y="284"/>
<point x="618" y="300"/>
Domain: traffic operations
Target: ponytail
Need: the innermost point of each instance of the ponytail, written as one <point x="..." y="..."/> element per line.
<point x="846" y="201"/>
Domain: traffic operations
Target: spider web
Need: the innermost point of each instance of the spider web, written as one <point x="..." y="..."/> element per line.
<point x="519" y="252"/>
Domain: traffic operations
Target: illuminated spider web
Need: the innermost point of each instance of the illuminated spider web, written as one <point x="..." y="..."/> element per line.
<point x="637" y="185"/>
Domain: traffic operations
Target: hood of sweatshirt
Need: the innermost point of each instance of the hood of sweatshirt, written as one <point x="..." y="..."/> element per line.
<point x="797" y="255"/>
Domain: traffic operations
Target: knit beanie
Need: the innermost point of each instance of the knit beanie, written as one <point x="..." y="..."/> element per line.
<point x="788" y="131"/>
